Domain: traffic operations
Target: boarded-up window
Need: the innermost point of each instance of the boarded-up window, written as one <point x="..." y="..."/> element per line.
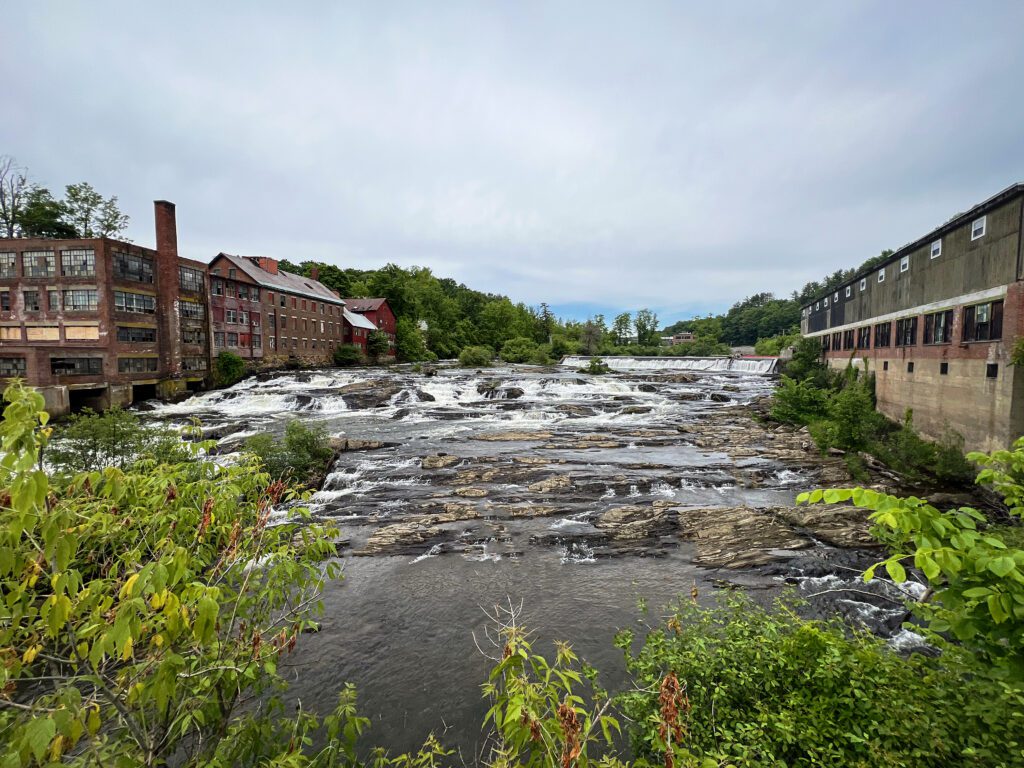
<point x="47" y="333"/>
<point x="10" y="333"/>
<point x="81" y="332"/>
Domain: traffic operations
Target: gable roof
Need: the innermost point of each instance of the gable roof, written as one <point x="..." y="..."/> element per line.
<point x="282" y="281"/>
<point x="364" y="305"/>
<point x="998" y="199"/>
<point x="357" y="321"/>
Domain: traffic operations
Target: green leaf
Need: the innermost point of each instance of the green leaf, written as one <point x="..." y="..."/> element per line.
<point x="975" y="592"/>
<point x="1001" y="566"/>
<point x="39" y="732"/>
<point x="896" y="571"/>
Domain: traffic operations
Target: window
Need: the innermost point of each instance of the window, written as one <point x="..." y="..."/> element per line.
<point x="12" y="367"/>
<point x="849" y="290"/>
<point x="983" y="322"/>
<point x="825" y="345"/>
<point x="190" y="279"/>
<point x="943" y="369"/>
<point x="885" y="365"/>
<point x="864" y="337"/>
<point x="272" y="321"/>
<point x="273" y="342"/>
<point x="218" y="338"/>
<point x="837" y="339"/>
<point x="906" y="332"/>
<point x="284" y="300"/>
<point x="243" y="318"/>
<point x="938" y="327"/>
<point x="904" y="264"/>
<point x="863" y="283"/>
<point x="303" y="305"/>
<point x="835" y="300"/>
<point x="136" y="364"/>
<point x="134" y="302"/>
<point x="42" y="333"/>
<point x="38" y="264"/>
<point x="284" y="322"/>
<point x="129" y="335"/>
<point x="5" y="301"/>
<point x="9" y="268"/>
<point x="193" y="336"/>
<point x="217" y="287"/>
<point x="53" y="301"/>
<point x="270" y="297"/>
<point x="936" y="248"/>
<point x="231" y="316"/>
<point x="991" y="370"/>
<point x="257" y="340"/>
<point x="78" y="262"/>
<point x="978" y="228"/>
<point x="76" y="366"/>
<point x="243" y="292"/>
<point x="129" y="266"/>
<point x="31" y="301"/>
<point x="254" y="319"/>
<point x="81" y="300"/>
<point x="193" y="363"/>
<point x="826" y="302"/>
<point x="881" y="275"/>
<point x="232" y="272"/>
<point x="910" y="367"/>
<point x="232" y="339"/>
<point x="817" y="305"/>
<point x="295" y="303"/>
<point x="848" y="339"/>
<point x="191" y="310"/>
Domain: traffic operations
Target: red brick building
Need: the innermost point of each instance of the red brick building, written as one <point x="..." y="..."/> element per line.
<point x="378" y="313"/>
<point x="102" y="322"/>
<point x="265" y="314"/>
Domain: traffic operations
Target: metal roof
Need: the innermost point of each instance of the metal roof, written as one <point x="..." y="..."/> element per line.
<point x="959" y="220"/>
<point x="283" y="281"/>
<point x="357" y="321"/>
<point x="364" y="305"/>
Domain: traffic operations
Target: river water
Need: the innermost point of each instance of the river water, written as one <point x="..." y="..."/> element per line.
<point x="575" y="496"/>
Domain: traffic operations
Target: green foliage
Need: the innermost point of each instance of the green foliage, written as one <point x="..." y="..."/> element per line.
<point x="646" y="324"/>
<point x="141" y="606"/>
<point x="596" y="367"/>
<point x="43" y="216"/>
<point x="767" y="688"/>
<point x="409" y="346"/>
<point x="476" y="357"/>
<point x="346" y="355"/>
<point x="798" y="402"/>
<point x="90" y="442"/>
<point x="806" y="363"/>
<point x="519" y="350"/>
<point x="377" y="345"/>
<point x="975" y="578"/>
<point x="228" y="369"/>
<point x="303" y="456"/>
<point x="90" y="214"/>
<point x="773" y="345"/>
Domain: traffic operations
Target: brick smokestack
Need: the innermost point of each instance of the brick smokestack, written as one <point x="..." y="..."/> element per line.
<point x="167" y="287"/>
<point x="315" y="273"/>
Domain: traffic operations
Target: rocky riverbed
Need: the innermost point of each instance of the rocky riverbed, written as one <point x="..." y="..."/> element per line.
<point x="575" y="494"/>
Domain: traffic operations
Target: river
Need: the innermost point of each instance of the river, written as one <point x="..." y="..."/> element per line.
<point x="574" y="495"/>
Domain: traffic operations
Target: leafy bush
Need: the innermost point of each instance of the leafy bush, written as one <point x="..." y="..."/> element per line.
<point x="132" y="627"/>
<point x="562" y="346"/>
<point x="518" y="350"/>
<point x="91" y="441"/>
<point x="541" y="355"/>
<point x="228" y="369"/>
<point x="476" y="357"/>
<point x="774" y="345"/>
<point x="767" y="688"/>
<point x="347" y="354"/>
<point x="798" y="402"/>
<point x="806" y="363"/>
<point x="853" y="417"/>
<point x="302" y="456"/>
<point x="596" y="367"/>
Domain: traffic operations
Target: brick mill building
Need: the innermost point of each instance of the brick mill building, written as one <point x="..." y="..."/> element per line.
<point x="100" y="322"/>
<point x="266" y="314"/>
<point x="378" y="312"/>
<point x="937" y="323"/>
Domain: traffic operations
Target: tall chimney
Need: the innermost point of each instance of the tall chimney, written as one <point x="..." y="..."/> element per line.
<point x="314" y="272"/>
<point x="167" y="288"/>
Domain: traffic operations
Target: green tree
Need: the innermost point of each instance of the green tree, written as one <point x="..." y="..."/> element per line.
<point x="518" y="350"/>
<point x="90" y="214"/>
<point x="476" y="357"/>
<point x="303" y="456"/>
<point x="622" y="328"/>
<point x="646" y="323"/>
<point x="43" y="216"/>
<point x="378" y="345"/>
<point x="409" y="345"/>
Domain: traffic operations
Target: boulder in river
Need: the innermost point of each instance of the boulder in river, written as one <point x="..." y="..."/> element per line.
<point x="440" y="461"/>
<point x="374" y="393"/>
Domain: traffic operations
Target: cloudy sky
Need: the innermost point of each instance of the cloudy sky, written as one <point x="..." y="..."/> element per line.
<point x="598" y="156"/>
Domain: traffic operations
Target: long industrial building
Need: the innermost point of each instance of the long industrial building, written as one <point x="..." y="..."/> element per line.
<point x="937" y="323"/>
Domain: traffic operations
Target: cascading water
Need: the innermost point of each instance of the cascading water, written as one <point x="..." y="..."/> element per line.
<point x="756" y="365"/>
<point x="568" y="491"/>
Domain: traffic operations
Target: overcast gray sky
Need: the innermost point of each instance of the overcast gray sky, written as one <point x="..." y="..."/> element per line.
<point x="598" y="156"/>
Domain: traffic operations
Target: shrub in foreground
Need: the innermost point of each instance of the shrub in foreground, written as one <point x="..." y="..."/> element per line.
<point x="302" y="456"/>
<point x="228" y="369"/>
<point x="346" y="355"/>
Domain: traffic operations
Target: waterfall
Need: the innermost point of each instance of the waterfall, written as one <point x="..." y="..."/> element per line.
<point x="666" y="363"/>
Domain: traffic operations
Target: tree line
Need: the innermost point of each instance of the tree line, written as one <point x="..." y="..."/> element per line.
<point x="28" y="209"/>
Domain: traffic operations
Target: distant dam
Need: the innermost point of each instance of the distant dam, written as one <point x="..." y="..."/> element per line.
<point x="760" y="365"/>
